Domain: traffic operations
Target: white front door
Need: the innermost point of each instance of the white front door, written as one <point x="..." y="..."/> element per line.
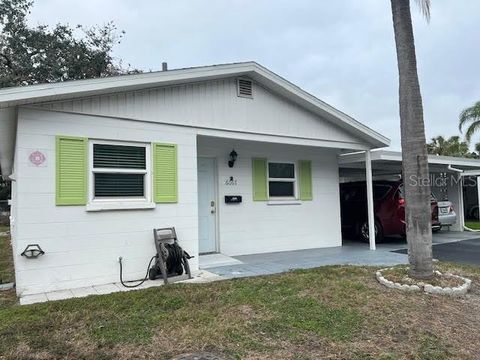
<point x="207" y="206"/>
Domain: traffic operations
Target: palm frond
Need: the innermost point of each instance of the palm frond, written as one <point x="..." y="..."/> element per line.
<point x="477" y="147"/>
<point x="469" y="114"/>
<point x="472" y="129"/>
<point x="425" y="7"/>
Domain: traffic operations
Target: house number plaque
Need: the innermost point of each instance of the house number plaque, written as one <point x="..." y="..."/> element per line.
<point x="231" y="181"/>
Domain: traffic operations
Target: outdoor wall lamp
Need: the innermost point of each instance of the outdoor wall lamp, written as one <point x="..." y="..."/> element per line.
<point x="233" y="158"/>
<point x="32" y="251"/>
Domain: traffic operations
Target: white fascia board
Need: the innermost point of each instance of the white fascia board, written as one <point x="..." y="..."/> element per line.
<point x="277" y="139"/>
<point x="359" y="157"/>
<point x="454" y="161"/>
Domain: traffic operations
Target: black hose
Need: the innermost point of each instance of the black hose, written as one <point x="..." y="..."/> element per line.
<point x="174" y="259"/>
<point x="141" y="280"/>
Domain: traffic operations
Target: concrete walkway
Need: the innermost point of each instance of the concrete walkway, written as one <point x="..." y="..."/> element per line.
<point x="351" y="253"/>
<point x="199" y="277"/>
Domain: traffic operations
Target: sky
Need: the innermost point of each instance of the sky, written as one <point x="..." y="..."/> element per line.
<point x="341" y="51"/>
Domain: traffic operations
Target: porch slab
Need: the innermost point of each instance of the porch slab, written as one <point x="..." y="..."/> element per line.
<point x="278" y="262"/>
<point x="216" y="260"/>
<point x="351" y="253"/>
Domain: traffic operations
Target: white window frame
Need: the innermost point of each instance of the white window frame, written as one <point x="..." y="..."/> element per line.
<point x="120" y="203"/>
<point x="294" y="180"/>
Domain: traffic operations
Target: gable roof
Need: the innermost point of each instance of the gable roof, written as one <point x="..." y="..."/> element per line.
<point x="33" y="94"/>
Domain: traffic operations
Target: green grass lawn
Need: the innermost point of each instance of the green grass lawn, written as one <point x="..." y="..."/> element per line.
<point x="335" y="312"/>
<point x="6" y="260"/>
<point x="474" y="225"/>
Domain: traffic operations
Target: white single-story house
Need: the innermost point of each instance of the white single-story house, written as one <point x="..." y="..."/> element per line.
<point x="236" y="158"/>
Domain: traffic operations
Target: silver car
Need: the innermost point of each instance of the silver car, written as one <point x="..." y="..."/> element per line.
<point x="446" y="213"/>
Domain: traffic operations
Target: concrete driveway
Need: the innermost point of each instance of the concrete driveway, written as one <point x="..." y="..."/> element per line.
<point x="463" y="251"/>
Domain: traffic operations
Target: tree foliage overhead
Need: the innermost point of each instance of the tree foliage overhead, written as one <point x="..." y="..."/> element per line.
<point x="452" y="146"/>
<point x="41" y="54"/>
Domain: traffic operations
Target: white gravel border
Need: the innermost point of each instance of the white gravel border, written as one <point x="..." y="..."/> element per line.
<point x="451" y="291"/>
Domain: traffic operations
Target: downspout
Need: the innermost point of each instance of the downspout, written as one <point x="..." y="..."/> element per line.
<point x="8" y="135"/>
<point x="450" y="167"/>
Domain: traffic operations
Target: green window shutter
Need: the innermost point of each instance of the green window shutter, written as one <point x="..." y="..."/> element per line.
<point x="71" y="170"/>
<point x="259" y="170"/>
<point x="305" y="179"/>
<point x="165" y="186"/>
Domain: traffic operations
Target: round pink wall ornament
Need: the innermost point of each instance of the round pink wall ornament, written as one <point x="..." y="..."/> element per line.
<point x="37" y="158"/>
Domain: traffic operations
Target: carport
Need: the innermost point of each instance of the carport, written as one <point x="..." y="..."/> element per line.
<point x="448" y="176"/>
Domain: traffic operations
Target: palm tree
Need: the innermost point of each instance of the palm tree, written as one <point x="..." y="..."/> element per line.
<point x="470" y="115"/>
<point x="437" y="146"/>
<point x="414" y="150"/>
<point x="452" y="146"/>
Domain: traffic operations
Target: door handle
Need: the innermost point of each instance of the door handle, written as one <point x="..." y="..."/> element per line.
<point x="212" y="207"/>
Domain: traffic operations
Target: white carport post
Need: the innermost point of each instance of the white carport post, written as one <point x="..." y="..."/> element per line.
<point x="370" y="209"/>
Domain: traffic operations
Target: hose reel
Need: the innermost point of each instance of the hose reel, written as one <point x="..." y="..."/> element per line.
<point x="170" y="260"/>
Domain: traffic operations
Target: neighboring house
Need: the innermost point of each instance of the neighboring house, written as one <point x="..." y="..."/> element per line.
<point x="97" y="164"/>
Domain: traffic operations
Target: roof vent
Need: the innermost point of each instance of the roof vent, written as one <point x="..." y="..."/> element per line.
<point x="244" y="88"/>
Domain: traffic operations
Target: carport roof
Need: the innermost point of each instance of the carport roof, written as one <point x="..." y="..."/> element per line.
<point x="388" y="162"/>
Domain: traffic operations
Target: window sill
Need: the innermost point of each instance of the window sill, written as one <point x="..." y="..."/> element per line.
<point x="107" y="206"/>
<point x="284" y="202"/>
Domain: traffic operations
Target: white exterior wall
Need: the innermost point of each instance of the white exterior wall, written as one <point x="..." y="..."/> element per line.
<point x="82" y="248"/>
<point x="260" y="226"/>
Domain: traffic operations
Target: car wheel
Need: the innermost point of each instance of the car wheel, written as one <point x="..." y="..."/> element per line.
<point x="363" y="231"/>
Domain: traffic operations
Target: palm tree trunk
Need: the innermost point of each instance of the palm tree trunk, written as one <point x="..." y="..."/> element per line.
<point x="414" y="151"/>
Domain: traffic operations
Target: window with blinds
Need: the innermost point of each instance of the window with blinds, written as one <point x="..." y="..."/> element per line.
<point x="119" y="171"/>
<point x="281" y="180"/>
<point x="118" y="156"/>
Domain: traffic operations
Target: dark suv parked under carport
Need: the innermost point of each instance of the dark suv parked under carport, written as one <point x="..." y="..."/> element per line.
<point x="389" y="206"/>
